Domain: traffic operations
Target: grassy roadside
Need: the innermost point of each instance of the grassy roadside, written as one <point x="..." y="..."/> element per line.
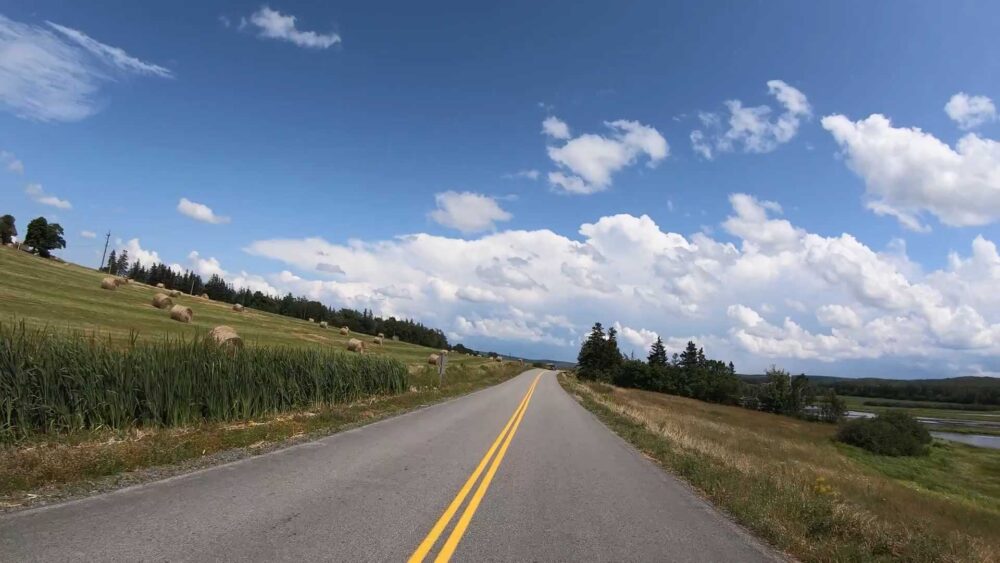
<point x="54" y="467"/>
<point x="788" y="482"/>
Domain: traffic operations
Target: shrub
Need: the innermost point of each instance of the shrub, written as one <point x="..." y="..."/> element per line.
<point x="892" y="433"/>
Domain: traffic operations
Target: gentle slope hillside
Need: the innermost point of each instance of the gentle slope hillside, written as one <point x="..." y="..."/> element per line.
<point x="61" y="295"/>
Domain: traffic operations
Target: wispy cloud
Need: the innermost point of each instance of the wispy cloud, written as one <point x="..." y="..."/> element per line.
<point x="525" y="174"/>
<point x="200" y="212"/>
<point x="111" y="55"/>
<point x="11" y="163"/>
<point x="55" y="73"/>
<point x="38" y="194"/>
<point x="272" y="24"/>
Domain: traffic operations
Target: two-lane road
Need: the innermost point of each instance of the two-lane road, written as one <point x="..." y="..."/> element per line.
<point x="517" y="472"/>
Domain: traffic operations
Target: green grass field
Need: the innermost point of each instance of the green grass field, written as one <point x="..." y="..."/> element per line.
<point x="819" y="500"/>
<point x="66" y="296"/>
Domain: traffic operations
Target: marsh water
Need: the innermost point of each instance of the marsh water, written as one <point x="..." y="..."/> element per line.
<point x="978" y="440"/>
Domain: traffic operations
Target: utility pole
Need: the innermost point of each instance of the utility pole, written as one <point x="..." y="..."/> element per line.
<point x="107" y="239"/>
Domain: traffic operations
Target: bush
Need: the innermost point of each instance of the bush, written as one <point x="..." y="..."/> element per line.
<point x="892" y="433"/>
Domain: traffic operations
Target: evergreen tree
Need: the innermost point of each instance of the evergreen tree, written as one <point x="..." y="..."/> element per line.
<point x="112" y="263"/>
<point x="589" y="360"/>
<point x="657" y="354"/>
<point x="121" y="266"/>
<point x="7" y="229"/>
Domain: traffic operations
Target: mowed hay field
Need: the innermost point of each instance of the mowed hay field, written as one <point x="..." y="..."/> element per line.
<point x="819" y="500"/>
<point x="66" y="296"/>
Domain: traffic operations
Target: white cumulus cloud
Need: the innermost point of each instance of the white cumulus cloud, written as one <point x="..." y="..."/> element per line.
<point x="272" y="24"/>
<point x="753" y="129"/>
<point x="88" y="234"/>
<point x="200" y="212"/>
<point x="828" y="298"/>
<point x="970" y="112"/>
<point x="467" y="211"/>
<point x="555" y="128"/>
<point x="592" y="159"/>
<point x="909" y="172"/>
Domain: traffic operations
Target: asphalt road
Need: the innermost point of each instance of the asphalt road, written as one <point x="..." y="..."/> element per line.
<point x="558" y="487"/>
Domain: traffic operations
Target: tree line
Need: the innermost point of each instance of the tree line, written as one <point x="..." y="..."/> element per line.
<point x="964" y="390"/>
<point x="690" y="373"/>
<point x="218" y="289"/>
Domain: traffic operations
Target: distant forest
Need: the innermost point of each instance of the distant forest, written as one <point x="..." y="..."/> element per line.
<point x="290" y="306"/>
<point x="961" y="390"/>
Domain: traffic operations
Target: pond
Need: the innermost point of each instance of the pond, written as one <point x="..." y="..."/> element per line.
<point x="979" y="440"/>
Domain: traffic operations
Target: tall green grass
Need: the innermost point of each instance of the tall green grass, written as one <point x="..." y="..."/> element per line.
<point x="55" y="381"/>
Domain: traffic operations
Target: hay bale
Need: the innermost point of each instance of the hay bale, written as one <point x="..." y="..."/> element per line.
<point x="119" y="282"/>
<point x="161" y="301"/>
<point x="225" y="336"/>
<point x="433" y="359"/>
<point x="381" y="335"/>
<point x="109" y="283"/>
<point x="395" y="338"/>
<point x="181" y="313"/>
<point x="160" y="286"/>
<point x="377" y="341"/>
<point x="238" y="308"/>
<point x="205" y="297"/>
<point x="344" y="330"/>
<point x="498" y="359"/>
<point x="174" y="293"/>
<point x="323" y="324"/>
<point x="312" y="320"/>
<point x="355" y="345"/>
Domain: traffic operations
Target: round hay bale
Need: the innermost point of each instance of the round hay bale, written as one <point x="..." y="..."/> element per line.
<point x="238" y="308"/>
<point x="181" y="313"/>
<point x="381" y="335"/>
<point x="161" y="301"/>
<point x="355" y="345"/>
<point x="433" y="359"/>
<point x="160" y="286"/>
<point x="395" y="338"/>
<point x="498" y="359"/>
<point x="109" y="283"/>
<point x="344" y="330"/>
<point x="312" y="320"/>
<point x="323" y="324"/>
<point x="377" y="341"/>
<point x="174" y="293"/>
<point x="225" y="336"/>
<point x="444" y="352"/>
<point x="119" y="282"/>
<point x="205" y="296"/>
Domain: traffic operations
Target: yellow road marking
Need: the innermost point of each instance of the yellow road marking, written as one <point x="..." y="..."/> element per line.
<point x="425" y="546"/>
<point x="470" y="510"/>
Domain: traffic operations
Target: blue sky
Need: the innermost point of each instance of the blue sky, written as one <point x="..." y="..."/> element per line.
<point x="395" y="158"/>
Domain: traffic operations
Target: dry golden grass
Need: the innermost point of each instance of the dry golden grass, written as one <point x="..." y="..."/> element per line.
<point x="789" y="482"/>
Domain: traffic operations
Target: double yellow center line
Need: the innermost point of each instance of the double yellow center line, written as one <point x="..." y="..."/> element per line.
<point x="506" y="435"/>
